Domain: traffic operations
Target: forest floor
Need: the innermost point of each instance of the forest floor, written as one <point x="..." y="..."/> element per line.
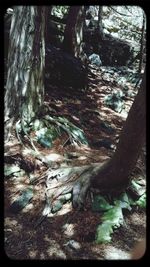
<point x="52" y="238"/>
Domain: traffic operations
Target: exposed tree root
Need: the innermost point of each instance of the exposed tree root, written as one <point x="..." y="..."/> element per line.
<point x="60" y="182"/>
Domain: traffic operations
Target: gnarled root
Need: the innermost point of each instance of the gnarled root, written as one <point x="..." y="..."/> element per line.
<point x="80" y="189"/>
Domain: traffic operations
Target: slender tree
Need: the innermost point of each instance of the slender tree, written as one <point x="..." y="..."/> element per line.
<point x="73" y="35"/>
<point x="141" y="54"/>
<point x="99" y="28"/>
<point x="115" y="174"/>
<point x="131" y="140"/>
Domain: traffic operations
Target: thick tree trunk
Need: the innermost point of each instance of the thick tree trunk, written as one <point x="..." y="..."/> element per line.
<point x="73" y="35"/>
<point x="116" y="173"/>
<point x="26" y="61"/>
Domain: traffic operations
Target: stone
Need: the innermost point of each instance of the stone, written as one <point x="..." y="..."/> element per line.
<point x="95" y="60"/>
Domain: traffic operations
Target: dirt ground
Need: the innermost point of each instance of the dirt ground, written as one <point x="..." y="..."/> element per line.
<point x="53" y="238"/>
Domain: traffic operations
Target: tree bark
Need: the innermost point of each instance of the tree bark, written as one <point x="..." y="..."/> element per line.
<point x="115" y="173"/>
<point x="142" y="45"/>
<point x="26" y="61"/>
<point x="99" y="29"/>
<point x="73" y="35"/>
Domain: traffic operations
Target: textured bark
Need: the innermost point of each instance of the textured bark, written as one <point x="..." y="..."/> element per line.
<point x="99" y="29"/>
<point x="141" y="54"/>
<point x="26" y="61"/>
<point x="73" y="35"/>
<point x="115" y="174"/>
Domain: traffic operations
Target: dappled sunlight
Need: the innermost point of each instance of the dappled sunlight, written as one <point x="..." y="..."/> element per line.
<point x="33" y="254"/>
<point x="55" y="252"/>
<point x="42" y="256"/>
<point x="10" y="222"/>
<point x="66" y="208"/>
<point x="63" y="122"/>
<point x="137" y="221"/>
<point x="112" y="253"/>
<point x="28" y="208"/>
<point x="54" y="249"/>
<point x="12" y="227"/>
<point x="22" y="179"/>
<point x="20" y="186"/>
<point x="68" y="229"/>
<point x="26" y="151"/>
<point x="54" y="157"/>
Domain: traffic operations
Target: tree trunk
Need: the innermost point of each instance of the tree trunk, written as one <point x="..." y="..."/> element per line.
<point x="26" y="61"/>
<point x="142" y="45"/>
<point x="99" y="29"/>
<point x="116" y="173"/>
<point x="73" y="35"/>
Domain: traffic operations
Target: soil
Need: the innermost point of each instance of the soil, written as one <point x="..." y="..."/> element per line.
<point x="51" y="239"/>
